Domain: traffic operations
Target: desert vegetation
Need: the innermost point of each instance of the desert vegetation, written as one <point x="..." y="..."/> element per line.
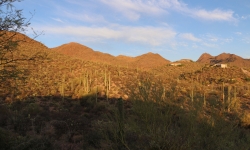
<point x="49" y="100"/>
<point x="69" y="103"/>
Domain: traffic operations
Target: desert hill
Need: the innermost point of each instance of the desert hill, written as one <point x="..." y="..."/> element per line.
<point x="24" y="41"/>
<point x="150" y="60"/>
<point x="83" y="52"/>
<point x="227" y="58"/>
<point x="205" y="58"/>
<point x="145" y="61"/>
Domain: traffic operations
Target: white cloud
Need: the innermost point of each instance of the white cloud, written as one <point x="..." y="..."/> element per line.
<point x="245" y="17"/>
<point x="209" y="45"/>
<point x="238" y="33"/>
<point x="146" y="35"/>
<point x="246" y="40"/>
<point x="58" y="20"/>
<point x="82" y="16"/>
<point x="227" y="40"/>
<point x="132" y="9"/>
<point x="189" y="36"/>
<point x="78" y="14"/>
<point x="195" y="46"/>
<point x="213" y="39"/>
<point x="217" y="39"/>
<point x="214" y="15"/>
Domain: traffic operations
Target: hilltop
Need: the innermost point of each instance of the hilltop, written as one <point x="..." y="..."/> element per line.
<point x="149" y="60"/>
<point x="205" y="58"/>
<point x="231" y="59"/>
<point x="83" y="52"/>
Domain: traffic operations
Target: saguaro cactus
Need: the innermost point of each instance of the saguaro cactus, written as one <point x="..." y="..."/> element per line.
<point x="229" y="98"/>
<point x="192" y="91"/>
<point x="62" y="87"/>
<point x="105" y="78"/>
<point x="204" y="98"/>
<point x="223" y="96"/>
<point x="121" y="122"/>
<point x="109" y="82"/>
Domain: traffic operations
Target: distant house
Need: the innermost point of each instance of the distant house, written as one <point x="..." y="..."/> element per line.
<point x="175" y="64"/>
<point x="220" y="65"/>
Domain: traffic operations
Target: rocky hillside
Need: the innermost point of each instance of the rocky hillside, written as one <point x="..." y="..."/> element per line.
<point x="230" y="59"/>
<point x="205" y="58"/>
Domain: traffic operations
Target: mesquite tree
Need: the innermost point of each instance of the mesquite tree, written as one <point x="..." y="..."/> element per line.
<point x="12" y="23"/>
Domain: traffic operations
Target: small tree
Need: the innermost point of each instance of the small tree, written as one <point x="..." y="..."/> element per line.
<point x="12" y="26"/>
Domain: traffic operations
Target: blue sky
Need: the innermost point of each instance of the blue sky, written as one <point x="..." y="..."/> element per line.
<point x="175" y="29"/>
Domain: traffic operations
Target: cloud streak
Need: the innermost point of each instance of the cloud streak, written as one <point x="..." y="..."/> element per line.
<point x="57" y="19"/>
<point x="190" y="37"/>
<point x="82" y="15"/>
<point x="213" y="15"/>
<point x="144" y="35"/>
<point x="133" y="9"/>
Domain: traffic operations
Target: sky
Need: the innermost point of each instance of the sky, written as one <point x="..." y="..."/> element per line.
<point x="175" y="29"/>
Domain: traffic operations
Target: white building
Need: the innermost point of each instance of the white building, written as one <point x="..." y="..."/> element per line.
<point x="175" y="64"/>
<point x="221" y="65"/>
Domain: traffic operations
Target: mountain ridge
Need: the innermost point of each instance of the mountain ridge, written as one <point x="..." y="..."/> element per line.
<point x="145" y="61"/>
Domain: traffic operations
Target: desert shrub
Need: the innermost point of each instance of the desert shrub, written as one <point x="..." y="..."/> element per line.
<point x="20" y="123"/>
<point x="31" y="110"/>
<point x="17" y="105"/>
<point x="5" y="139"/>
<point x="36" y="143"/>
<point x="4" y="115"/>
<point x="99" y="108"/>
<point x="245" y="120"/>
<point x="92" y="139"/>
<point x="87" y="101"/>
<point x="38" y="123"/>
<point x="60" y="127"/>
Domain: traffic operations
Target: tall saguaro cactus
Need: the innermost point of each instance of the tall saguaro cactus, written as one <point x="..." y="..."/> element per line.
<point x="109" y="82"/>
<point x="62" y="87"/>
<point x="204" y="98"/>
<point x="229" y="98"/>
<point x="223" y="95"/>
<point x="105" y="78"/>
<point x="192" y="91"/>
<point x="121" y="126"/>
